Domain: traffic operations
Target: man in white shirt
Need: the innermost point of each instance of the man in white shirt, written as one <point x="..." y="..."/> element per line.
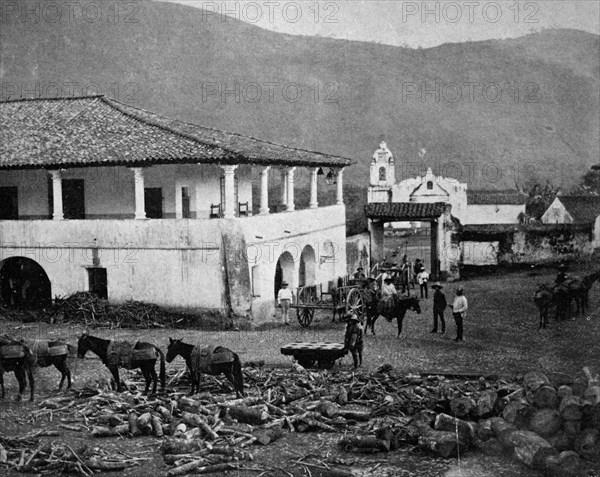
<point x="459" y="311"/>
<point x="388" y="289"/>
<point x="422" y="279"/>
<point x="284" y="298"/>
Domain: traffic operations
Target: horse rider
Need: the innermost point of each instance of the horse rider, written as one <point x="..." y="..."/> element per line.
<point x="353" y="339"/>
<point x="561" y="276"/>
<point x="388" y="289"/>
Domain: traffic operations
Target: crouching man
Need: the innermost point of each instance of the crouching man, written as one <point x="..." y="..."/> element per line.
<point x="353" y="340"/>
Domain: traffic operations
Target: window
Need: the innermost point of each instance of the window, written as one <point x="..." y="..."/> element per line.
<point x="97" y="282"/>
<point x="185" y="202"/>
<point x="153" y="202"/>
<point x="429" y="185"/>
<point x="9" y="204"/>
<point x="382" y="173"/>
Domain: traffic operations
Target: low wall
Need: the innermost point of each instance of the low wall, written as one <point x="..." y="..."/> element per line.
<point x="524" y="244"/>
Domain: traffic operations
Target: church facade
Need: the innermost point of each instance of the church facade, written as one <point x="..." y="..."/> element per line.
<point x="470" y="207"/>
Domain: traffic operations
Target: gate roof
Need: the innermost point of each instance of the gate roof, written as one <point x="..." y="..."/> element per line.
<point x="404" y="211"/>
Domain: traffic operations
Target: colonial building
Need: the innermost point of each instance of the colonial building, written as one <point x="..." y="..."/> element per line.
<point x="97" y="195"/>
<point x="468" y="206"/>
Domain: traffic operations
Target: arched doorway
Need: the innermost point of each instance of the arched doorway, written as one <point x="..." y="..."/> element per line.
<point x="24" y="284"/>
<point x="284" y="271"/>
<point x="306" y="273"/>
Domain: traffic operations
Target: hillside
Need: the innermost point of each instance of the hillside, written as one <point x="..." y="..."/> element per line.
<point x="174" y="60"/>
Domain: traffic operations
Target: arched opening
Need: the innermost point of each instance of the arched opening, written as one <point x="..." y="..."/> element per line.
<point x="24" y="284"/>
<point x="429" y="185"/>
<point x="382" y="173"/>
<point x="306" y="275"/>
<point x="284" y="271"/>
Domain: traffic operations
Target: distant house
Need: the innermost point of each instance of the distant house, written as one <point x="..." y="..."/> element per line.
<point x="573" y="209"/>
<point x="99" y="196"/>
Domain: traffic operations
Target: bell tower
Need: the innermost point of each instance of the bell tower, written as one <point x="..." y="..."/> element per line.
<point x="383" y="170"/>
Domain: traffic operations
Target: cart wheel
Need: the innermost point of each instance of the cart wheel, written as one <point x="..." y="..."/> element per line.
<point x="305" y="316"/>
<point x="306" y="362"/>
<point x="355" y="303"/>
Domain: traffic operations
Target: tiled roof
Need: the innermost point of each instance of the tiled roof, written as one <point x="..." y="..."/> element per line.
<point x="583" y="208"/>
<point x="495" y="197"/>
<point x="96" y="131"/>
<point x="398" y="211"/>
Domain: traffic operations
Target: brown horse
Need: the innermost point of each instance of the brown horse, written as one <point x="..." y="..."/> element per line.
<point x="212" y="360"/>
<point x="51" y="353"/>
<point x="398" y="309"/>
<point x="17" y="357"/>
<point x="103" y="348"/>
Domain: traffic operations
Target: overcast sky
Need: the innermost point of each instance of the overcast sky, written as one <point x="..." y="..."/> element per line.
<point x="410" y="23"/>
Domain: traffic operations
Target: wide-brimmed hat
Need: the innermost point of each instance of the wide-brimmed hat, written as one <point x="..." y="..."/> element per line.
<point x="437" y="285"/>
<point x="387" y="279"/>
<point x="283" y="284"/>
<point x="353" y="317"/>
<point x="359" y="269"/>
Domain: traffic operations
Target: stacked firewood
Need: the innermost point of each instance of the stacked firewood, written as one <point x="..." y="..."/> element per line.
<point x="547" y="424"/>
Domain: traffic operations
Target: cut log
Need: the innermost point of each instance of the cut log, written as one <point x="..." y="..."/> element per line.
<point x="350" y="415"/>
<point x="144" y="423"/>
<point x="443" y="443"/>
<point x="545" y="422"/>
<point x="518" y="413"/>
<point x="592" y="394"/>
<point x="587" y="444"/>
<point x="265" y="437"/>
<point x="533" y="381"/>
<point x="180" y="446"/>
<point x="354" y="443"/>
<point x="207" y="469"/>
<point x="165" y="414"/>
<point x="564" y="391"/>
<point x="248" y="415"/>
<point x="103" y="431"/>
<point x="570" y="408"/>
<point x="342" y="397"/>
<point x="572" y="428"/>
<point x="486" y="403"/>
<point x="191" y="405"/>
<point x="157" y="426"/>
<point x="110" y="420"/>
<point x="546" y="398"/>
<point x="531" y="449"/>
<point x="424" y="418"/>
<point x="489" y="447"/>
<point x="191" y="419"/>
<point x="579" y="386"/>
<point x="484" y="430"/>
<point x="558" y="379"/>
<point x="561" y="441"/>
<point x="502" y="431"/>
<point x="133" y="427"/>
<point x="327" y="408"/>
<point x="462" y="407"/>
<point x="466" y="429"/>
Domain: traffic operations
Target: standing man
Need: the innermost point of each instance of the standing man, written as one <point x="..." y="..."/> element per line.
<point x="353" y="340"/>
<point x="360" y="274"/>
<point x="422" y="279"/>
<point x="284" y="298"/>
<point x="459" y="311"/>
<point x="439" y="305"/>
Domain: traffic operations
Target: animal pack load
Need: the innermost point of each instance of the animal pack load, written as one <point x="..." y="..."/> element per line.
<point x="206" y="358"/>
<point x="42" y="349"/>
<point x="124" y="354"/>
<point x="10" y="351"/>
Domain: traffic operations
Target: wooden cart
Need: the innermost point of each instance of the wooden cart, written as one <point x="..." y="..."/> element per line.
<point x="309" y="354"/>
<point x="340" y="300"/>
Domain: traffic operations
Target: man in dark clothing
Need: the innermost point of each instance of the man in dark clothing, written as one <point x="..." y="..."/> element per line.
<point x="561" y="277"/>
<point x="439" y="305"/>
<point x="353" y="340"/>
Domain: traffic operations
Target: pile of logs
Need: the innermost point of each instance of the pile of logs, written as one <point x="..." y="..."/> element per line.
<point x="548" y="424"/>
<point x="27" y="454"/>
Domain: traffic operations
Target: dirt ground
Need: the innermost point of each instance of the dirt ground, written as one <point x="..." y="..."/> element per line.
<point x="501" y="338"/>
